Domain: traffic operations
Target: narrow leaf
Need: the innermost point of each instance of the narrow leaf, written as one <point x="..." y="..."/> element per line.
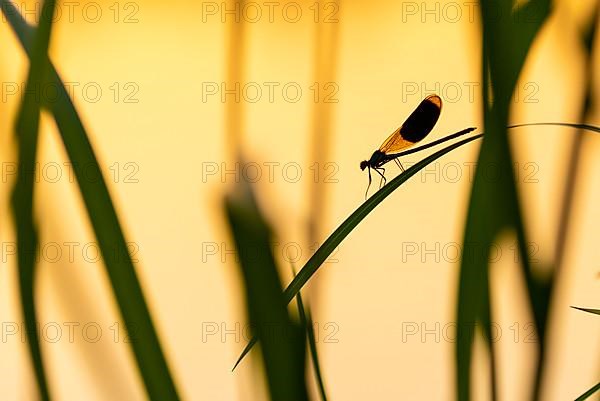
<point x="508" y="32"/>
<point x="27" y="132"/>
<point x="313" y="264"/>
<point x="317" y="259"/>
<point x="283" y="341"/>
<point x="594" y="311"/>
<point x="307" y="322"/>
<point x="588" y="393"/>
<point x="119" y="266"/>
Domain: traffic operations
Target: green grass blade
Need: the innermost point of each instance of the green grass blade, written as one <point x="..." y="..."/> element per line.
<point x="594" y="311"/>
<point x="27" y="133"/>
<point x="312" y="343"/>
<point x="587" y="127"/>
<point x="313" y="264"/>
<point x="121" y="272"/>
<point x="350" y="223"/>
<point x="282" y="341"/>
<point x="538" y="292"/>
<point x="245" y="351"/>
<point x="494" y="207"/>
<point x="307" y="322"/>
<point x="436" y="142"/>
<point x="588" y="393"/>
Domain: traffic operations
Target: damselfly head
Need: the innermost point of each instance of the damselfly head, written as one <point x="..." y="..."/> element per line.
<point x="364" y="164"/>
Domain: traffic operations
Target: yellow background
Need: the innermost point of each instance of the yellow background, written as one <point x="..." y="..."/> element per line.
<point x="373" y="291"/>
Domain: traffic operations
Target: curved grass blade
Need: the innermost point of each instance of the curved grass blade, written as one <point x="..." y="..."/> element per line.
<point x="146" y="348"/>
<point x="312" y="343"/>
<point x="27" y="133"/>
<point x="330" y="244"/>
<point x="434" y="143"/>
<point x="588" y="393"/>
<point x="495" y="207"/>
<point x="570" y="125"/>
<point x="307" y="322"/>
<point x="538" y="292"/>
<point x="283" y="342"/>
<point x="542" y="293"/>
<point x="313" y="264"/>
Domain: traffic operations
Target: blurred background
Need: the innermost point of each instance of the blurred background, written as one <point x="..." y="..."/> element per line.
<point x="169" y="93"/>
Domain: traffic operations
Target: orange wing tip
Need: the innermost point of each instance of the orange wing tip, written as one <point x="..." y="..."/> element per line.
<point x="435" y="99"/>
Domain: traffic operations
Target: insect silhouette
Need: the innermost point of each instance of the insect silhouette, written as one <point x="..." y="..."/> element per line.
<point x="415" y="128"/>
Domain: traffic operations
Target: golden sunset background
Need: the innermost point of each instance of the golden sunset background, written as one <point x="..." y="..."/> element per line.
<point x="166" y="146"/>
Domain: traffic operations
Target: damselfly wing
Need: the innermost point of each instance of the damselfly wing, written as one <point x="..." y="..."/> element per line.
<point x="416" y="127"/>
